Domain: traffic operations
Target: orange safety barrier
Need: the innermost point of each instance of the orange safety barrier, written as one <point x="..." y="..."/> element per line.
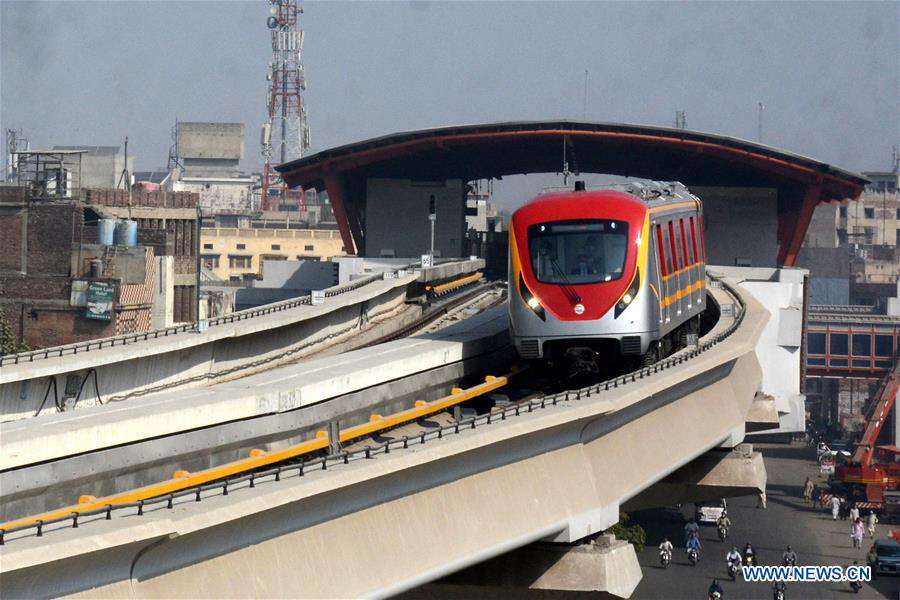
<point x="182" y="480"/>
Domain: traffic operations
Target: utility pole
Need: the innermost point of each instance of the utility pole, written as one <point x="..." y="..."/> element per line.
<point x="584" y="106"/>
<point x="432" y="216"/>
<point x="759" y="121"/>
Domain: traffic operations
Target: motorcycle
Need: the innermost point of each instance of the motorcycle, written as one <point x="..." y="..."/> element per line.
<point x="750" y="560"/>
<point x="789" y="562"/>
<point x="665" y="557"/>
<point x="693" y="556"/>
<point x="733" y="569"/>
<point x="715" y="596"/>
<point x="855" y="586"/>
<point x="778" y="593"/>
<point x="723" y="533"/>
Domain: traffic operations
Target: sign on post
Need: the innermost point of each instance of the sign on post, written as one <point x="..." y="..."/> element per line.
<point x="427" y="261"/>
<point x="99" y="301"/>
<point x="317" y="297"/>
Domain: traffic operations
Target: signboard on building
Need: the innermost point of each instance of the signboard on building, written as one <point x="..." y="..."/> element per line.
<point x="99" y="301"/>
<point x="317" y="297"/>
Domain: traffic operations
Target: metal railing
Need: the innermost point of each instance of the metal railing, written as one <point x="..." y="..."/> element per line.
<point x="322" y="463"/>
<point x="131" y="338"/>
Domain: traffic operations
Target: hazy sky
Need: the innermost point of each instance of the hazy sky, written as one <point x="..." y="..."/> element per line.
<point x="93" y="72"/>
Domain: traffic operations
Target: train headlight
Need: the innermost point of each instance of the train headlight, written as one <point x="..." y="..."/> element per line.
<point x="530" y="300"/>
<point x="629" y="295"/>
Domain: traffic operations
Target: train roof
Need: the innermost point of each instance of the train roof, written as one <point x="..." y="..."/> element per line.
<point x="653" y="193"/>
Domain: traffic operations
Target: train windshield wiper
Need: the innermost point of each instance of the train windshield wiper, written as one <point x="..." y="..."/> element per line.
<point x="567" y="288"/>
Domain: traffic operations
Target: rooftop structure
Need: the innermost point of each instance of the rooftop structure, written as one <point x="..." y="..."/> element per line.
<point x="789" y="186"/>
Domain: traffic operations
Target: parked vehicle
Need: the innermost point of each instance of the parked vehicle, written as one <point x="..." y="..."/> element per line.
<point x="884" y="557"/>
<point x="709" y="512"/>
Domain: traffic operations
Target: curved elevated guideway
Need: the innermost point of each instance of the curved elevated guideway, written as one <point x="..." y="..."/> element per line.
<point x="412" y="507"/>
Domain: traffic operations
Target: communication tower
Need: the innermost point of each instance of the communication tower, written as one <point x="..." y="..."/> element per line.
<point x="285" y="135"/>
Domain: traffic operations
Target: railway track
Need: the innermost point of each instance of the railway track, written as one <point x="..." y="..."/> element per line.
<point x="461" y="410"/>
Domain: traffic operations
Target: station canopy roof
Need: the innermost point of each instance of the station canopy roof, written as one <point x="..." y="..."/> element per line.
<point x="497" y="149"/>
<point x="494" y="150"/>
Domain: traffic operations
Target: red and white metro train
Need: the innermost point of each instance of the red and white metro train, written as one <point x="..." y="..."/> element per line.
<point x="615" y="272"/>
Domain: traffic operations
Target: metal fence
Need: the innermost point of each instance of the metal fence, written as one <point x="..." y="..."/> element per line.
<point x="131" y="338"/>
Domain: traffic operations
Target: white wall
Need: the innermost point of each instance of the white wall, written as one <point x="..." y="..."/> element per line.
<point x="780" y="291"/>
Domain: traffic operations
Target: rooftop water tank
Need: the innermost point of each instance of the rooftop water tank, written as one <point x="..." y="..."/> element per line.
<point x="105" y="231"/>
<point x="126" y="233"/>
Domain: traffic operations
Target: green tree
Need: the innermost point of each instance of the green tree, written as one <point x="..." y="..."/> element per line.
<point x="633" y="534"/>
<point x="8" y="342"/>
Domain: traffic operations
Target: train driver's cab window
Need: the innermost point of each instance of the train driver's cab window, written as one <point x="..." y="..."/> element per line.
<point x="578" y="252"/>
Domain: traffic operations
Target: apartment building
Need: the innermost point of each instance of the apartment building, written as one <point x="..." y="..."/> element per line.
<point x="234" y="254"/>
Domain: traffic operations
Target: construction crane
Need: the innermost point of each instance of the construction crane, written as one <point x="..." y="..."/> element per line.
<point x="863" y="475"/>
<point x="286" y="108"/>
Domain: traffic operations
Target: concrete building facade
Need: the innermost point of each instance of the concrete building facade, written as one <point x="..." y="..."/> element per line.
<point x="103" y="166"/>
<point x="390" y="200"/>
<point x="741" y="225"/>
<point x="235" y="254"/>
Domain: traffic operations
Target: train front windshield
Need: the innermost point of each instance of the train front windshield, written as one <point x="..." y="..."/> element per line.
<point x="578" y="252"/>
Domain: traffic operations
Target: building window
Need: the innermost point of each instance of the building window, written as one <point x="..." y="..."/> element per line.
<point x="884" y="345"/>
<point x="815" y="343"/>
<point x="898" y="214"/>
<point x="842" y="236"/>
<point x="207" y="246"/>
<point x="242" y="246"/>
<point x="838" y="344"/>
<point x="276" y="246"/>
<point x="307" y="248"/>
<point x="869" y="213"/>
<point x="210" y="261"/>
<point x="843" y="212"/>
<point x="239" y="262"/>
<point x="862" y="344"/>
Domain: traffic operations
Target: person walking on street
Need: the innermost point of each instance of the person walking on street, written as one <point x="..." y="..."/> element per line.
<point x="845" y="506"/>
<point x="856" y="533"/>
<point x="871" y="521"/>
<point x="808" y="491"/>
<point x="854" y="512"/>
<point x="835" y="507"/>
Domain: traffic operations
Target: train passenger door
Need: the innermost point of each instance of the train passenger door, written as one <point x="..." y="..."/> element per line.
<point x="656" y="278"/>
<point x="665" y="260"/>
<point x="678" y="274"/>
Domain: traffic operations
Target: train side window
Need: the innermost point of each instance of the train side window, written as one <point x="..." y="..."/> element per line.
<point x="673" y="245"/>
<point x="703" y="238"/>
<point x="688" y="259"/>
<point x="694" y="240"/>
<point x="661" y="248"/>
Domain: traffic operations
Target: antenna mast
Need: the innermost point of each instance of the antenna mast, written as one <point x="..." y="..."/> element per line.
<point x="286" y="108"/>
<point x="759" y="119"/>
